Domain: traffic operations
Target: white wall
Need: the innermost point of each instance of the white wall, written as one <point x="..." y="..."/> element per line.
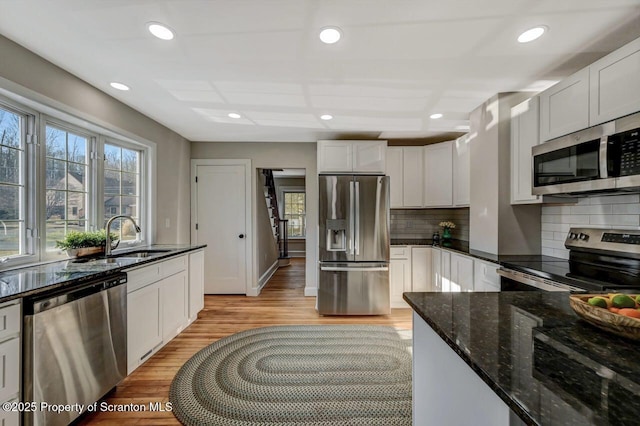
<point x="276" y="156"/>
<point x="611" y="212"/>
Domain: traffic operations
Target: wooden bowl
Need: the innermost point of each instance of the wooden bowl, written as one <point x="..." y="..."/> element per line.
<point x="602" y="318"/>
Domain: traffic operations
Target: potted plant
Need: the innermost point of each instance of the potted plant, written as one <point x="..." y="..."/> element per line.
<point x="446" y="229"/>
<point x="85" y="243"/>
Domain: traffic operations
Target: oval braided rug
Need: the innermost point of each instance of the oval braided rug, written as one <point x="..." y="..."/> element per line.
<point x="320" y="375"/>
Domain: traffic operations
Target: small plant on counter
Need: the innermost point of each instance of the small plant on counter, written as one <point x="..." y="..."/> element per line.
<point x="77" y="239"/>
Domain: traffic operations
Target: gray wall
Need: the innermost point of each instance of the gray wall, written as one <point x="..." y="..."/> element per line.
<point x="265" y="241"/>
<point x="495" y="226"/>
<point x="27" y="75"/>
<point x="276" y="156"/>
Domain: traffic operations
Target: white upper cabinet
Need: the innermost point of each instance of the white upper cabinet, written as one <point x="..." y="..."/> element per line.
<point x="615" y="84"/>
<point x="438" y="175"/>
<point x="524" y="136"/>
<point x="412" y="176"/>
<point x="564" y="107"/>
<point x="461" y="176"/>
<point x="404" y="167"/>
<point x="394" y="171"/>
<point x="352" y="156"/>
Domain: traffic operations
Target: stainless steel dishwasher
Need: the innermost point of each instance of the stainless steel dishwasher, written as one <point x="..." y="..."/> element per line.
<point x="75" y="347"/>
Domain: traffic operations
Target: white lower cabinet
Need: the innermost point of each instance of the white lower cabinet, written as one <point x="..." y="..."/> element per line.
<point x="399" y="275"/>
<point x="175" y="305"/>
<point x="461" y="275"/>
<point x="485" y="277"/>
<point x="436" y="269"/>
<point x="10" y="365"/>
<point x="144" y="324"/>
<point x="162" y="300"/>
<point x="196" y="284"/>
<point x="421" y="279"/>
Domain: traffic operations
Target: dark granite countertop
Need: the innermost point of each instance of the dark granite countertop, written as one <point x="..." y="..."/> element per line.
<point x="30" y="280"/>
<point x="459" y="246"/>
<point x="549" y="366"/>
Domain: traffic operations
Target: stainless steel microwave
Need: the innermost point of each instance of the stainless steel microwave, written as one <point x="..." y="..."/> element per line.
<point x="603" y="158"/>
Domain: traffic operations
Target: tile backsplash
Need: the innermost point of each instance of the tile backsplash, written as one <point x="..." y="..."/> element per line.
<point x="611" y="212"/>
<point x="422" y="223"/>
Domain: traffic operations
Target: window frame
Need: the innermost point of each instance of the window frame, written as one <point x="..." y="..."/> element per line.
<point x="28" y="250"/>
<point x="35" y="118"/>
<point x="297" y="190"/>
<point x="90" y="216"/>
<point x="143" y="185"/>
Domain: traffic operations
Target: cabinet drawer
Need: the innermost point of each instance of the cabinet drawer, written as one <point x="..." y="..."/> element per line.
<point x="9" y="321"/>
<point x="173" y="266"/>
<point x="9" y="369"/>
<point x="400" y="252"/>
<point x="141" y="277"/>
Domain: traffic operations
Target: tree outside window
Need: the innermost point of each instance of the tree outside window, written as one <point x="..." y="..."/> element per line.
<point x="295" y="213"/>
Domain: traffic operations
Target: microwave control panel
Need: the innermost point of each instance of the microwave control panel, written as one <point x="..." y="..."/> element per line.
<point x="624" y="149"/>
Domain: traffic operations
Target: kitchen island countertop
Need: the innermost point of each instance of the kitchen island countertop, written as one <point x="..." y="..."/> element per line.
<point x="34" y="279"/>
<point x="530" y="348"/>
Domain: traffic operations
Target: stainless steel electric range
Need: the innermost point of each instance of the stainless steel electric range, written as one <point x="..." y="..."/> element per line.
<point x="600" y="260"/>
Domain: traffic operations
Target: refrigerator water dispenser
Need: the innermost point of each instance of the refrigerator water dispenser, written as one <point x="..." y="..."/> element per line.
<point x="336" y="235"/>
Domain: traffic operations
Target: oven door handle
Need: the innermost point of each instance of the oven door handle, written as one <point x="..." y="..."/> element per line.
<point x="536" y="282"/>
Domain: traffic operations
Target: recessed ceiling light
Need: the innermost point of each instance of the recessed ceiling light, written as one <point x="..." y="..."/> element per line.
<point x="234" y="115"/>
<point x="531" y="34"/>
<point x="119" y="86"/>
<point x="330" y="35"/>
<point x="326" y="117"/>
<point x="160" y="31"/>
<point x="435" y="116"/>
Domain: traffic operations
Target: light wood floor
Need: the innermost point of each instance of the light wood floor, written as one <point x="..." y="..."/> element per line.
<point x="281" y="302"/>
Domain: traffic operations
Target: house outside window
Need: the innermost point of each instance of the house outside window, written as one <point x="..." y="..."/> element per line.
<point x="66" y="186"/>
<point x="295" y="213"/>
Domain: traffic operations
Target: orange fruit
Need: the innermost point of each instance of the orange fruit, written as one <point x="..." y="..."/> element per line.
<point x="630" y="312"/>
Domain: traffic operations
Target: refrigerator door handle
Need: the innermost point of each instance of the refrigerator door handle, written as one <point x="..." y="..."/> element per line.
<point x="351" y="216"/>
<point x="354" y="269"/>
<point x="357" y="219"/>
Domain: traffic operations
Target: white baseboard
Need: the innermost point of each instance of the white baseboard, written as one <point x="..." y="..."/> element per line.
<point x="311" y="291"/>
<point x="264" y="279"/>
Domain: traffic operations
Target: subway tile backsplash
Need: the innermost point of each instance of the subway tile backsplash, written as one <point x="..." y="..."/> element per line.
<point x="610" y="212"/>
<point x="422" y="223"/>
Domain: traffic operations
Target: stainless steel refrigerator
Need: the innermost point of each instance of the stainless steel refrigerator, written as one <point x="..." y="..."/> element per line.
<point x="353" y="245"/>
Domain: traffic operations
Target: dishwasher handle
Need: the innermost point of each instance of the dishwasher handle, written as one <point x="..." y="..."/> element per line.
<point x="58" y="297"/>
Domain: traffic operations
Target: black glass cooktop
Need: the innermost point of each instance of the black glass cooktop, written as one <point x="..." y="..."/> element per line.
<point x="591" y="272"/>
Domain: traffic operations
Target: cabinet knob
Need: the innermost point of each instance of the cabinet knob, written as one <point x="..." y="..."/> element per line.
<point x="241" y="236"/>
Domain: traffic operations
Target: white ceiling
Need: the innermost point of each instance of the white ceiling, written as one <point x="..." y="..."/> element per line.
<point x="398" y="61"/>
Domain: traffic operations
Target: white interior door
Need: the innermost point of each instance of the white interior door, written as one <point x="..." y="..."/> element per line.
<point x="222" y="213"/>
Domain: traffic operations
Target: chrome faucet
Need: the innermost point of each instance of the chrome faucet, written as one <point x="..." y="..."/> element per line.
<point x="107" y="249"/>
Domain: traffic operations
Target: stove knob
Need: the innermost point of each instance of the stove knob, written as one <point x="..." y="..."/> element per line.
<point x="583" y="237"/>
<point x="573" y="235"/>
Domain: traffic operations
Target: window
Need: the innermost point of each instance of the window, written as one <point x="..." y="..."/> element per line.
<point x="294" y="212"/>
<point x="51" y="182"/>
<point x="122" y="188"/>
<point x="66" y="188"/>
<point x="12" y="186"/>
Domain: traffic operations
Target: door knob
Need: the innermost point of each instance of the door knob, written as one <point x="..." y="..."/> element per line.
<point x="241" y="236"/>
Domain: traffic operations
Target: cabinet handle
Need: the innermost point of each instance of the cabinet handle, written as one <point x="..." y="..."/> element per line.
<point x="146" y="355"/>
